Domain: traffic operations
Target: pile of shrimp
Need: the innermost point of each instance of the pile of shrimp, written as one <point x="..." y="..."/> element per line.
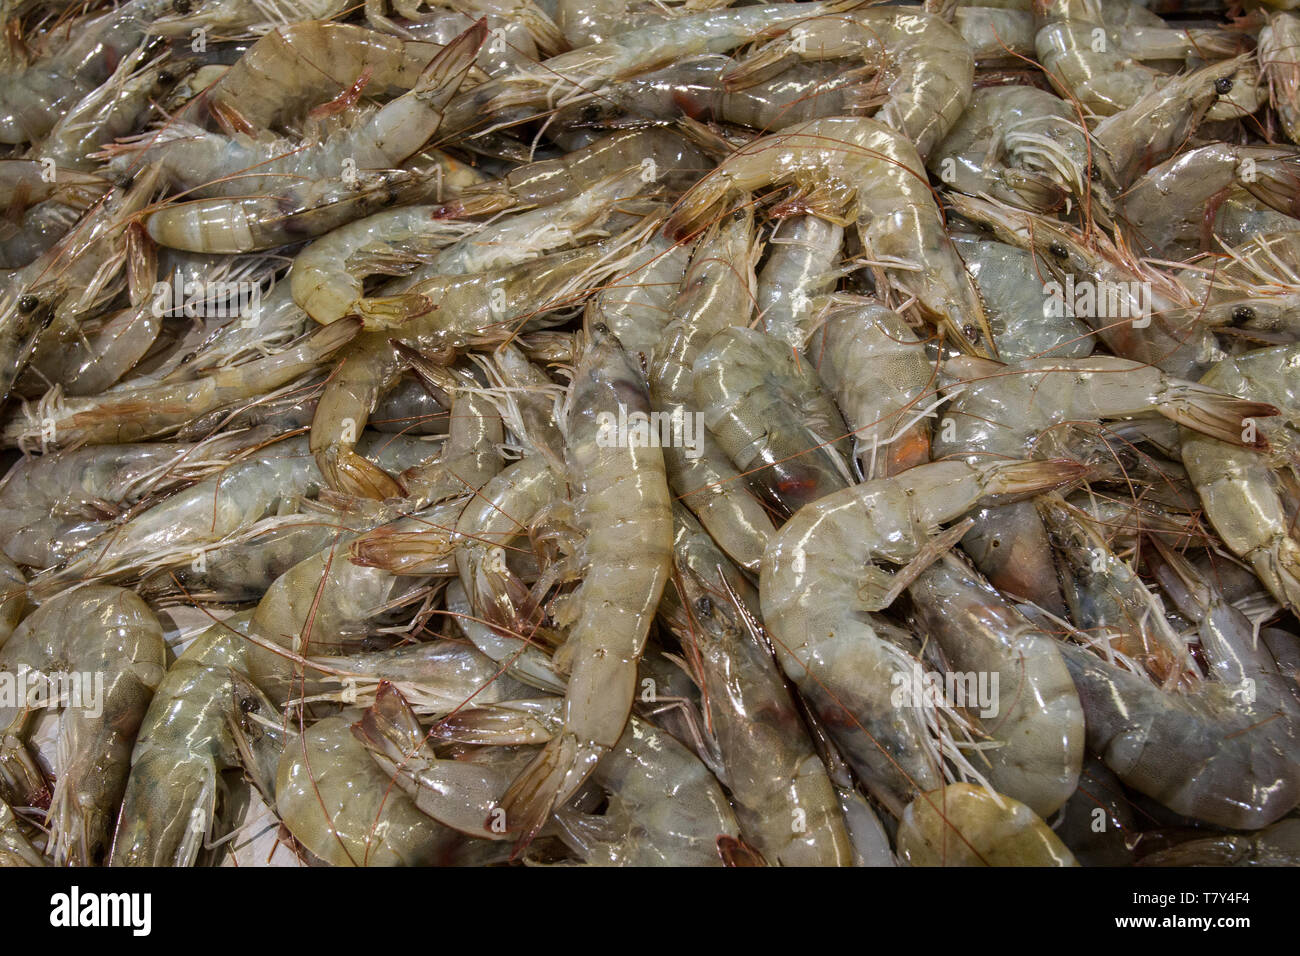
<point x="649" y="432"/>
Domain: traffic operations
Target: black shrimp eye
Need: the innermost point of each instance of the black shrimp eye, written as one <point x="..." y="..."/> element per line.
<point x="1058" y="250"/>
<point x="738" y="215"/>
<point x="1243" y="313"/>
<point x="28" y="303"/>
<point x="1093" y="172"/>
<point x="970" y="332"/>
<point x="165" y="77"/>
<point x="181" y="6"/>
<point x="1223" y="85"/>
<point x="704" y="606"/>
<point x="249" y="705"/>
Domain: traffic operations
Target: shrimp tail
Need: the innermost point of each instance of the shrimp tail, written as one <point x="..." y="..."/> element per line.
<point x="411" y="552"/>
<point x="445" y="72"/>
<point x="544" y="31"/>
<point x="491" y="726"/>
<point x="508" y="604"/>
<point x="389" y="727"/>
<point x="390" y="311"/>
<point x="553" y="775"/>
<point x="762" y="64"/>
<point x="1220" y="416"/>
<point x="477" y="201"/>
<point x="704" y="203"/>
<point x="350" y="473"/>
<point x="1013" y="481"/>
<point x="229" y="120"/>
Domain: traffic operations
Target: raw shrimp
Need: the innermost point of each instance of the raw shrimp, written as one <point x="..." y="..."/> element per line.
<point x="924" y="64"/>
<point x="1036" y="716"/>
<point x="485" y="306"/>
<point x="460" y="794"/>
<point x="54" y="505"/>
<point x="25" y="182"/>
<point x="206" y="717"/>
<point x="769" y="411"/>
<point x="879" y="372"/>
<point x="298" y="66"/>
<point x="801" y="269"/>
<point x="694" y="87"/>
<point x="1158" y="123"/>
<point x="1025" y="147"/>
<point x="1243" y="489"/>
<point x="637" y="304"/>
<point x="659" y="155"/>
<point x="187" y="525"/>
<point x="1013" y="409"/>
<point x="1102" y="66"/>
<point x="380" y="242"/>
<point x="213" y="164"/>
<point x="1028" y="320"/>
<point x="1225" y="752"/>
<point x="1173" y="228"/>
<point x="343" y="807"/>
<point x="523" y="661"/>
<point x="309" y="208"/>
<point x="327" y="292"/>
<point x="664" y="807"/>
<point x="111" y="634"/>
<point x="840" y="163"/>
<point x="515" y="98"/>
<point x="820" y="584"/>
<point x="787" y="809"/>
<point x="1279" y="62"/>
<point x="1107" y="598"/>
<point x="621" y="502"/>
<point x="134" y="413"/>
<point x="503" y="510"/>
<point x="438" y="678"/>
<point x="115" y="108"/>
<point x="332" y="596"/>
<point x="471" y="455"/>
<point x="717" y="291"/>
<point x="70" y="279"/>
<point x="965" y="825"/>
<point x="1138" y="313"/>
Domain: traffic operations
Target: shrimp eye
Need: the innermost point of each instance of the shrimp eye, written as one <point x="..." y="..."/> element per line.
<point x="1058" y="250"/>
<point x="1223" y="85"/>
<point x="704" y="606"/>
<point x="970" y="332"/>
<point x="602" y="329"/>
<point x="28" y="303"/>
<point x="249" y="705"/>
<point x="1093" y="172"/>
<point x="1243" y="313"/>
<point x="181" y="6"/>
<point x="738" y="215"/>
<point x="165" y="77"/>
